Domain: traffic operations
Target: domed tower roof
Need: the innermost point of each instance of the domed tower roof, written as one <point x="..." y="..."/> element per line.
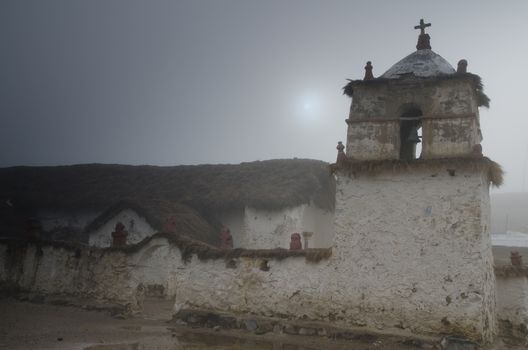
<point x="423" y="63"/>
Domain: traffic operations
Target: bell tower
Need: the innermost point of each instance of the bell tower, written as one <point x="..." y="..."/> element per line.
<point x="412" y="203"/>
<point x="421" y="91"/>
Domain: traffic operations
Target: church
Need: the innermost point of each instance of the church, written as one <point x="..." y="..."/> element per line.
<point x="411" y="250"/>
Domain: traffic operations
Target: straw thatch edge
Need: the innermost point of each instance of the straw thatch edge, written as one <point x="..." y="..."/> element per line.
<point x="492" y="169"/>
<point x="186" y="245"/>
<point x="118" y="207"/>
<point x="204" y="251"/>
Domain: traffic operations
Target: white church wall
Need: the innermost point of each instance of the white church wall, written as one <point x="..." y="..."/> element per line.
<point x="291" y="288"/>
<point x="76" y="273"/>
<point x="351" y="288"/>
<point x="234" y="221"/>
<point x="512" y="303"/>
<point x="138" y="229"/>
<point x="153" y="269"/>
<point x="268" y="229"/>
<point x="417" y="247"/>
<point x="321" y="223"/>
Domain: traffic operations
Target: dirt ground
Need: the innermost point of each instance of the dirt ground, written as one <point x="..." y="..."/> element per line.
<point x="25" y="325"/>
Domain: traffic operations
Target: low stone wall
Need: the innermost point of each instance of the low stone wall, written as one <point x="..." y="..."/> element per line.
<point x="307" y="285"/>
<point x="72" y="272"/>
<point x="512" y="300"/>
<point x="162" y="265"/>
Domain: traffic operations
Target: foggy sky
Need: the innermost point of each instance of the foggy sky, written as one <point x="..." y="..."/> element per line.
<point x="191" y="82"/>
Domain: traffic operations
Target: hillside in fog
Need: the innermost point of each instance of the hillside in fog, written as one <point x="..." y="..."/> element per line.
<point x="509" y="212"/>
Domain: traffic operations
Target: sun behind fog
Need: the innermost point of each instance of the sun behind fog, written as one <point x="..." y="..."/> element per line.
<point x="308" y="108"/>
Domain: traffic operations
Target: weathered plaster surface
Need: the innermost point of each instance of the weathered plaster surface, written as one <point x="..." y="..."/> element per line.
<point x="93" y="274"/>
<point x="342" y="291"/>
<point x="373" y="140"/>
<point x="389" y="100"/>
<point x="453" y="137"/>
<point x="268" y="229"/>
<point x="234" y="221"/>
<point x="418" y="250"/>
<point x="450" y="119"/>
<point x="290" y="288"/>
<point x="321" y="224"/>
<point x="152" y="268"/>
<point x="512" y="303"/>
<point x="138" y="229"/>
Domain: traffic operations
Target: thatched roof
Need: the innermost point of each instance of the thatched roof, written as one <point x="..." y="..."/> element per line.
<point x="263" y="184"/>
<point x="492" y="170"/>
<point x="482" y="99"/>
<point x="157" y="213"/>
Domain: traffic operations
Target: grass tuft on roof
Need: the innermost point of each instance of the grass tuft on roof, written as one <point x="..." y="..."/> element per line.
<point x="492" y="170"/>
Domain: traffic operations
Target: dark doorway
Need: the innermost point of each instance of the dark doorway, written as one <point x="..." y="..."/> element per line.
<point x="410" y="134"/>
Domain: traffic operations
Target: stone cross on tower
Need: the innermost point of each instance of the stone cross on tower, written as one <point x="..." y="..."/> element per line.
<point x="422" y="26"/>
<point x="423" y="39"/>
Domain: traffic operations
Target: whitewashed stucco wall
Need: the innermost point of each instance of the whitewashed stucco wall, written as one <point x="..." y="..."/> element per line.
<point x="267" y="229"/>
<point x="138" y="229"/>
<point x="54" y="270"/>
<point x="154" y="265"/>
<point x="321" y="223"/>
<point x="339" y="290"/>
<point x="512" y="302"/>
<point x="417" y="247"/>
<point x="234" y="221"/>
<point x="291" y="287"/>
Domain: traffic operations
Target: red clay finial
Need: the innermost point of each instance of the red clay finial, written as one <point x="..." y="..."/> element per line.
<point x="295" y="241"/>
<point x="516" y="258"/>
<point x="462" y="66"/>
<point x="341" y="156"/>
<point x="226" y="240"/>
<point x="119" y="236"/>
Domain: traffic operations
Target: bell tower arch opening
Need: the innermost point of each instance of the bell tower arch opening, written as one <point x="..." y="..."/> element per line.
<point x="410" y="132"/>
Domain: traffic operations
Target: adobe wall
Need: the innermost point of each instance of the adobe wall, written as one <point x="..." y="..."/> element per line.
<point x="234" y="220"/>
<point x="374" y="280"/>
<point x="417" y="247"/>
<point x="321" y="223"/>
<point x="450" y="118"/>
<point x="69" y="271"/>
<point x="384" y="100"/>
<point x="512" y="300"/>
<point x="268" y="229"/>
